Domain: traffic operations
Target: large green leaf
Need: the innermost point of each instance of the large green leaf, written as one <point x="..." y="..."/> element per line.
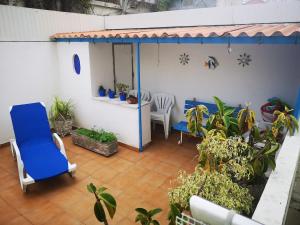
<point x="272" y="149"/>
<point x="101" y="189"/>
<point x="109" y="202"/>
<point x="271" y="162"/>
<point x="226" y="121"/>
<point x="99" y="212"/>
<point x="258" y="166"/>
<point x="228" y="111"/>
<point x="142" y="211"/>
<point x="154" y="211"/>
<point x="91" y="188"/>
<point x="219" y="104"/>
<point x="173" y="213"/>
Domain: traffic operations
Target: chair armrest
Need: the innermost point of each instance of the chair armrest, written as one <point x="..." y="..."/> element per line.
<point x="60" y="143"/>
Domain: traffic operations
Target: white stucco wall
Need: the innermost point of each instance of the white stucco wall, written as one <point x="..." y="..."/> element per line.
<point x="28" y="73"/>
<point x="28" y="61"/>
<point x="274" y="71"/>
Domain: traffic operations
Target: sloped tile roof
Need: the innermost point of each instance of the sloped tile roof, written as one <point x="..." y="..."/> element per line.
<point x="250" y="30"/>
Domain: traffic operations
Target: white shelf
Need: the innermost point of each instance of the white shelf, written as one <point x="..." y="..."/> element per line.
<point x="117" y="101"/>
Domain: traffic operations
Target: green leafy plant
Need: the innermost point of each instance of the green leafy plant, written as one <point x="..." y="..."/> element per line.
<point x="98" y="135"/>
<point x="284" y="120"/>
<point x="223" y="119"/>
<point x="61" y="110"/>
<point x="213" y="186"/>
<point x="175" y="211"/>
<point x="145" y="217"/>
<point x="122" y="88"/>
<point x="194" y="117"/>
<point x="230" y="156"/>
<point x="102" y="198"/>
<point x="246" y="119"/>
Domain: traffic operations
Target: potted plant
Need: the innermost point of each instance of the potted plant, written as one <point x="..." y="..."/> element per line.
<point x="122" y="90"/>
<point x="99" y="141"/>
<point x="61" y="116"/>
<point x="111" y="94"/>
<point x="101" y="91"/>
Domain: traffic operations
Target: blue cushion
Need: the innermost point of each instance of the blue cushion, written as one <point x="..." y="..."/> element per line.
<point x="42" y="159"/>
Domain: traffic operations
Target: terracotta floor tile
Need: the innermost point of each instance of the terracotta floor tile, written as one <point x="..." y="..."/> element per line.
<point x="43" y="213"/>
<point x="134" y="179"/>
<point x="64" y="219"/>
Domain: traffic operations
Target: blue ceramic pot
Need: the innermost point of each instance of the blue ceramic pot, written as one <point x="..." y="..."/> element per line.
<point x="111" y="94"/>
<point x="123" y="96"/>
<point x="102" y="92"/>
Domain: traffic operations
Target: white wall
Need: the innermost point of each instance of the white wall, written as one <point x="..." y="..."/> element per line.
<point x="274" y="71"/>
<point x="101" y="67"/>
<point x="28" y="61"/>
<point x="28" y="73"/>
<point x="24" y="24"/>
<point x="258" y="13"/>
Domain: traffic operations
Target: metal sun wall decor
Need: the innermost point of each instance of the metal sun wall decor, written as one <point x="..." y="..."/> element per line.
<point x="184" y="59"/>
<point x="244" y="60"/>
<point x="211" y="63"/>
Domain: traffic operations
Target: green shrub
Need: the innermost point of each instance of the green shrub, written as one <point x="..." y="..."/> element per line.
<point x="98" y="135"/>
<point x="213" y="186"/>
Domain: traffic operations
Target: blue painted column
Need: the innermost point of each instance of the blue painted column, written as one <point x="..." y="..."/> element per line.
<point x="138" y="73"/>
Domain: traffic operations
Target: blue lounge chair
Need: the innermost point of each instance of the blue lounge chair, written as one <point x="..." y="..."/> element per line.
<point x="35" y="148"/>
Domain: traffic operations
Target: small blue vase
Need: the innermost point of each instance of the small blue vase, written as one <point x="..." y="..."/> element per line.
<point x="123" y="96"/>
<point x="102" y="92"/>
<point x="111" y="94"/>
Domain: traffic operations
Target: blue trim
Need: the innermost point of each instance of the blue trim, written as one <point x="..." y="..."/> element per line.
<point x="191" y="40"/>
<point x="297" y="106"/>
<point x="138" y="71"/>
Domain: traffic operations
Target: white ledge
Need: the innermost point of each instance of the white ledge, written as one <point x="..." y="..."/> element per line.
<point x="274" y="203"/>
<point x="117" y="101"/>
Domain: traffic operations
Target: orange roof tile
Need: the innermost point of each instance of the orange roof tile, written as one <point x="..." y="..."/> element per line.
<point x="250" y="30"/>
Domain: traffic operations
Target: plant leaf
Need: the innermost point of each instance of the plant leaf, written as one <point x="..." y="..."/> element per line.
<point x="109" y="202"/>
<point x="99" y="212"/>
<point x="142" y="211"/>
<point x="155" y="222"/>
<point x="154" y="211"/>
<point x="91" y="188"/>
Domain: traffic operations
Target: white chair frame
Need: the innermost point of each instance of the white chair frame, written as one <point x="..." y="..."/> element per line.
<point x="164" y="103"/>
<point x="25" y="178"/>
<point x="145" y="95"/>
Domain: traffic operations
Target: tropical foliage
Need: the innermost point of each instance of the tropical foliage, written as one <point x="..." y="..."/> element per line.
<point x="246" y="119"/>
<point x="79" y="6"/>
<point x="284" y="120"/>
<point x="194" y="117"/>
<point x="61" y="110"/>
<point x="212" y="186"/>
<point x="145" y="217"/>
<point x="223" y="119"/>
<point x="102" y="199"/>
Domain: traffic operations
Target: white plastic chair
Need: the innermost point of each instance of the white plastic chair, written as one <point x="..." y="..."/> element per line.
<point x="145" y="95"/>
<point x="163" y="104"/>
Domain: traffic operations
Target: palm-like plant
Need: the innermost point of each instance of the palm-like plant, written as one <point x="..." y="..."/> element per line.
<point x="61" y="110"/>
<point x="146" y="217"/>
<point x="246" y="119"/>
<point x="194" y="117"/>
<point x="105" y="198"/>
<point x="284" y="120"/>
<point x="223" y="119"/>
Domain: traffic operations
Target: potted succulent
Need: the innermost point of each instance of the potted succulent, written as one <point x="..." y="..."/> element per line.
<point x="101" y="91"/>
<point x="61" y="116"/>
<point x="122" y="90"/>
<point x="111" y="94"/>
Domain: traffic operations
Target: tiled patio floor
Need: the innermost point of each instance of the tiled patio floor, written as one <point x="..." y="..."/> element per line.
<point x="135" y="179"/>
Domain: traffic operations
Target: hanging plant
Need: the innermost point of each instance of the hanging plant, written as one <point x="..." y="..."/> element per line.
<point x="244" y="60"/>
<point x="184" y="59"/>
<point x="211" y="63"/>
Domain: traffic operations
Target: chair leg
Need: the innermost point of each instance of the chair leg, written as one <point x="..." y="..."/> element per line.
<point x="180" y="141"/>
<point x="72" y="174"/>
<point x="166" y="130"/>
